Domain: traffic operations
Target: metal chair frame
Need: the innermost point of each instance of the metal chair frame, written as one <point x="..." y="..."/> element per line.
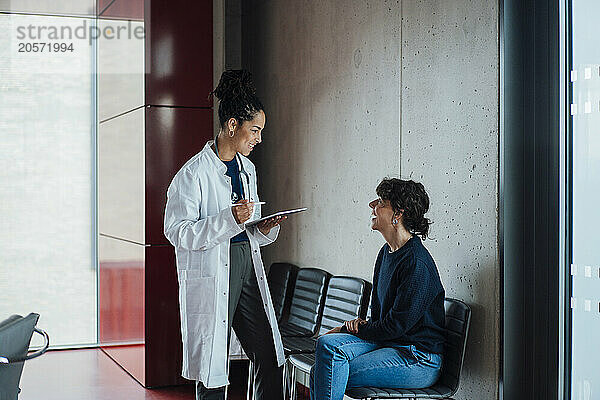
<point x="35" y="354"/>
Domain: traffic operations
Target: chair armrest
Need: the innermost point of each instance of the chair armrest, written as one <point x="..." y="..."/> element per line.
<point x="4" y="360"/>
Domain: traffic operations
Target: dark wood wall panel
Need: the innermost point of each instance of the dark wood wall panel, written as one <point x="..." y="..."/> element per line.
<point x="179" y="63"/>
<point x="173" y="136"/>
<point x="163" y="334"/>
<point x="178" y="122"/>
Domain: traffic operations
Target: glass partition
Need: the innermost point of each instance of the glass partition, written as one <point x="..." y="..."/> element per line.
<point x="585" y="215"/>
<point x="71" y="155"/>
<point x="50" y="7"/>
<point x="47" y="136"/>
<point x="122" y="184"/>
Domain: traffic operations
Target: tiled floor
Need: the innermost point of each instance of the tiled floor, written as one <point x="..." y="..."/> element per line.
<point x="91" y="375"/>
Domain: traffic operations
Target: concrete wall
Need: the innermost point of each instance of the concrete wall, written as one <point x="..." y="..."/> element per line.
<point x="358" y="90"/>
<point x="329" y="78"/>
<point x="450" y="143"/>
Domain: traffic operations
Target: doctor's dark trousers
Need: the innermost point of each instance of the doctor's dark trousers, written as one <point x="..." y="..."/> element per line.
<point x="248" y="318"/>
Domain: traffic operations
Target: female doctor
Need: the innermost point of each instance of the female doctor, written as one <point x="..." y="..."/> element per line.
<point x="222" y="282"/>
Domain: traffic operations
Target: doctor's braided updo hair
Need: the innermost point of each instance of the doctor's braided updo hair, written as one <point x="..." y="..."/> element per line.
<point x="237" y="96"/>
<point x="410" y="199"/>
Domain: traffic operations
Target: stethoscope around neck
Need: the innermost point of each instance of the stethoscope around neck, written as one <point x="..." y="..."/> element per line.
<point x="243" y="172"/>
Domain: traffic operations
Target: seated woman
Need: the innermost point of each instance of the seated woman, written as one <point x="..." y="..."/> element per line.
<point x="401" y="345"/>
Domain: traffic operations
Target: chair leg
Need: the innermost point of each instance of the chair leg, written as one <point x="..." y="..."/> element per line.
<point x="293" y="383"/>
<point x="285" y="380"/>
<point x="250" y="389"/>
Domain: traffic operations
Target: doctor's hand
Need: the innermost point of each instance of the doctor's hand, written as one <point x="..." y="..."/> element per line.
<point x="266" y="226"/>
<point x="244" y="212"/>
<point x="352" y="326"/>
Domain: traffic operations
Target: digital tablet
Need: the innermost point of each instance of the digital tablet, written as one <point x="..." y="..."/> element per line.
<point x="277" y="214"/>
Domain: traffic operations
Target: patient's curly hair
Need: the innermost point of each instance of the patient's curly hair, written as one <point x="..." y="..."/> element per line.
<point x="410" y="199"/>
<point x="237" y="96"/>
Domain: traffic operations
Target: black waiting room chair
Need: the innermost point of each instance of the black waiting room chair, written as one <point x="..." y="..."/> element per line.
<point x="347" y="298"/>
<point x="307" y="305"/>
<point x="307" y="301"/>
<point x="15" y="335"/>
<point x="281" y="279"/>
<point x="458" y="317"/>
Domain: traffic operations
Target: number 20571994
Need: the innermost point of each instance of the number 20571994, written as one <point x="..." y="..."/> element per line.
<point x="42" y="47"/>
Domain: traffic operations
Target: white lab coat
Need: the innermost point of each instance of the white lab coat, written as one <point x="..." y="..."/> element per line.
<point x="199" y="223"/>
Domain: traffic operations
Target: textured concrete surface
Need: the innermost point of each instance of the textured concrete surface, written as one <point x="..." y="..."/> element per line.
<point x="344" y="110"/>
<point x="328" y="75"/>
<point x="450" y="143"/>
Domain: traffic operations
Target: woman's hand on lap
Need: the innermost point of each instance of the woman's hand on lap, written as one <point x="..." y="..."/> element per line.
<point x="352" y="326"/>
<point x="334" y="330"/>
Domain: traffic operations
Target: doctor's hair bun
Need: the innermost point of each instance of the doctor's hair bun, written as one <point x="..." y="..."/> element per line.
<point x="234" y="83"/>
<point x="237" y="96"/>
<point x="409" y="199"/>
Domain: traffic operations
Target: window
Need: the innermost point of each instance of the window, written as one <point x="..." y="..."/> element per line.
<point x="585" y="189"/>
<point x="47" y="183"/>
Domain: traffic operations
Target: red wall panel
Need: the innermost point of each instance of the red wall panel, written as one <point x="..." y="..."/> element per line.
<point x="163" y="333"/>
<point x="121" y="295"/>
<point x="179" y="68"/>
<point x="173" y="136"/>
<point x="121" y="298"/>
<point x="179" y="61"/>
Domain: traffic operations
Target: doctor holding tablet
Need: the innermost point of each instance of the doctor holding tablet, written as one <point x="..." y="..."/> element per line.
<point x="222" y="281"/>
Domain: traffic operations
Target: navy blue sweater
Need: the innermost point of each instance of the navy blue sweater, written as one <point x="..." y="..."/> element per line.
<point x="407" y="305"/>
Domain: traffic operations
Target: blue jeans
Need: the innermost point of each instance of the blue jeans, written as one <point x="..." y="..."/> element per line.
<point x="344" y="360"/>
